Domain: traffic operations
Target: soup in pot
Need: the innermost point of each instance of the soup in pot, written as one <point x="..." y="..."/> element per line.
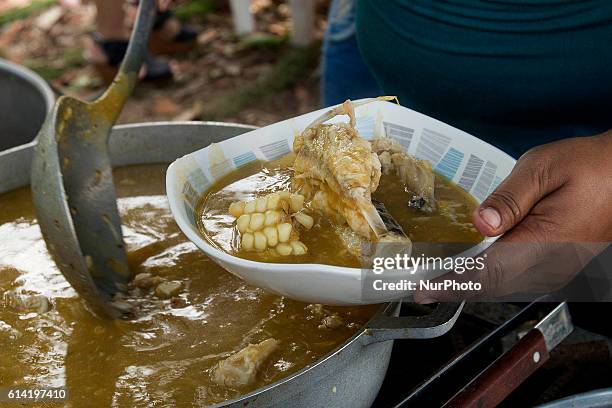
<point x="199" y="335"/>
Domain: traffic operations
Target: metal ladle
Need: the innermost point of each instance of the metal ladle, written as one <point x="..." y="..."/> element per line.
<point x="72" y="183"/>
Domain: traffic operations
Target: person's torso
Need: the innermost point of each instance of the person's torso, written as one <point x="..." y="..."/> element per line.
<point x="523" y="71"/>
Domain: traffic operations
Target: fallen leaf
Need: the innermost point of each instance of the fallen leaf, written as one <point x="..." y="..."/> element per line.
<point x="10" y="33"/>
<point x="233" y="69"/>
<point x="215" y="73"/>
<point x="192" y="113"/>
<point x="207" y="36"/>
<point x="7" y="5"/>
<point x="162" y="105"/>
<point x="257" y="6"/>
<point x="194" y="86"/>
<point x="85" y="80"/>
<point x="47" y="19"/>
<point x="278" y="29"/>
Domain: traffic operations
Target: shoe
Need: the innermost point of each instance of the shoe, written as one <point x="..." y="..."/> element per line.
<point x="155" y="69"/>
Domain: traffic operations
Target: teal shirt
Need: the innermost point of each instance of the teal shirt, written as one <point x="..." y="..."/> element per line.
<point x="517" y="73"/>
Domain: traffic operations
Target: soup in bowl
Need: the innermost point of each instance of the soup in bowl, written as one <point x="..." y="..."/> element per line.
<point x="290" y="206"/>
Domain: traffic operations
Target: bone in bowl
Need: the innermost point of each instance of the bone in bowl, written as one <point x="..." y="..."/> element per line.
<point x="459" y="161"/>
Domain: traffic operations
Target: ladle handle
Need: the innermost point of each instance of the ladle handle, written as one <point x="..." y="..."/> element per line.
<point x="119" y="91"/>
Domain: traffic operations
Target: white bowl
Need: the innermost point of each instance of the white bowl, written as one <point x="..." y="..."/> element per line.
<point x="474" y="165"/>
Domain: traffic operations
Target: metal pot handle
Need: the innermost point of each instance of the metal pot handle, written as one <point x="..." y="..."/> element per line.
<point x="384" y="326"/>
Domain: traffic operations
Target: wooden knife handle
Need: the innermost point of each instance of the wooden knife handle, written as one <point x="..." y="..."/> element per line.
<point x="505" y="374"/>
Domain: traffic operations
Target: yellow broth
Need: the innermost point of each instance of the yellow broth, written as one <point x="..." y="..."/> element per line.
<point x="449" y="223"/>
<point x="164" y="356"/>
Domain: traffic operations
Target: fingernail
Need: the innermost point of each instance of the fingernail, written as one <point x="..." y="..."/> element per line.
<point x="491" y="217"/>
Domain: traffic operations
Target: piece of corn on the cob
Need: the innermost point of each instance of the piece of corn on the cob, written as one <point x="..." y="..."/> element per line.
<point x="266" y="223"/>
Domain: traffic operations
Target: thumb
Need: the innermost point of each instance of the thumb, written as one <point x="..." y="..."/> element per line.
<point x="513" y="199"/>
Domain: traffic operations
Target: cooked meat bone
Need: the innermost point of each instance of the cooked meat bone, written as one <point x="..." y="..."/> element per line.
<point x="336" y="169"/>
<point x="343" y="109"/>
<point x="417" y="175"/>
<point x="241" y="368"/>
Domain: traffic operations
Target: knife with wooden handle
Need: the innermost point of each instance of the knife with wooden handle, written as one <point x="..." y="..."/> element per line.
<point x="506" y="373"/>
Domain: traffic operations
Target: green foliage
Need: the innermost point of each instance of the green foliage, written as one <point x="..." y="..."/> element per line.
<point x="262" y="41"/>
<point x="194" y="8"/>
<point x="72" y="58"/>
<point x="24" y="12"/>
<point x="46" y="72"/>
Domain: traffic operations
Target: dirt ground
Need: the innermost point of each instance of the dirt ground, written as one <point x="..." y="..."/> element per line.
<point x="257" y="79"/>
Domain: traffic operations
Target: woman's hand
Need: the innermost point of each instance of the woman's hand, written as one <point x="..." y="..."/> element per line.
<point x="555" y="209"/>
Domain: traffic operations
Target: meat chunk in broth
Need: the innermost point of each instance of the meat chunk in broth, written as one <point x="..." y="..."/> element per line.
<point x="337" y="171"/>
<point x="22" y="302"/>
<point x="240" y="369"/>
<point x="417" y="175"/>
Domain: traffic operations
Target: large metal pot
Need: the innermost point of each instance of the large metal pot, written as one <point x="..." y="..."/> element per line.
<point x="351" y="375"/>
<point x="25" y="99"/>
